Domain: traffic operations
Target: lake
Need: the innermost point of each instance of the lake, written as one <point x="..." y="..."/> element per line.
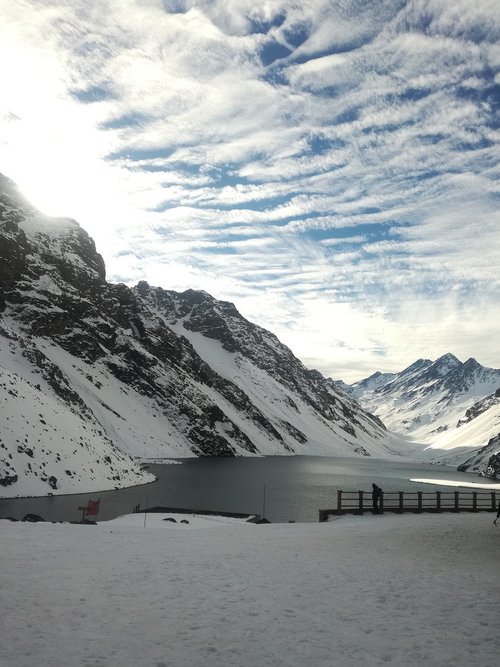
<point x="280" y="487"/>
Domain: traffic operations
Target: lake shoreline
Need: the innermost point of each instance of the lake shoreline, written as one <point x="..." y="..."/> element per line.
<point x="281" y="488"/>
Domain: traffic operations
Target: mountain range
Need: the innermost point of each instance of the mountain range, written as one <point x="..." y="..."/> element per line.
<point x="98" y="377"/>
<point x="447" y="405"/>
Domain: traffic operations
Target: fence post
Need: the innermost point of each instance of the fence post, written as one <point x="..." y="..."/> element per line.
<point x="456" y="500"/>
<point x="419" y="496"/>
<point x="474" y="501"/>
<point x="493" y="503"/>
<point x="339" y="500"/>
<point x="401" y="501"/>
<point x="360" y="494"/>
<point x="438" y="501"/>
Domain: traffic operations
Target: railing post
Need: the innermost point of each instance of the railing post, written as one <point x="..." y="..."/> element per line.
<point x="339" y="500"/>
<point x="474" y="501"/>
<point x="382" y="501"/>
<point x="456" y="501"/>
<point x="438" y="501"/>
<point x="493" y="503"/>
<point x="419" y="496"/>
<point x="360" y="494"/>
<point x="401" y="501"/>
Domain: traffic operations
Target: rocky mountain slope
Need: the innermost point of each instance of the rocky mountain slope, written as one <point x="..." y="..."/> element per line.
<point x="95" y="374"/>
<point x="486" y="461"/>
<point x="444" y="403"/>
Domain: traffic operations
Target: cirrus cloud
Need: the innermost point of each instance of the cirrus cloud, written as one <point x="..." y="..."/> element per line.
<point x="332" y="168"/>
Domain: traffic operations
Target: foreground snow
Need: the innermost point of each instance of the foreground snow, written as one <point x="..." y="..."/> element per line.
<point x="401" y="590"/>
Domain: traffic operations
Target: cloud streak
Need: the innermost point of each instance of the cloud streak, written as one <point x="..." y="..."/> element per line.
<point x="332" y="168"/>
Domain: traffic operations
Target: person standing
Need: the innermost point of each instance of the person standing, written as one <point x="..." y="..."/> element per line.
<point x="376" y="498"/>
<point x="498" y="514"/>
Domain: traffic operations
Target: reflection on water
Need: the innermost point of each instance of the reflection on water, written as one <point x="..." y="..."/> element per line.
<point x="283" y="488"/>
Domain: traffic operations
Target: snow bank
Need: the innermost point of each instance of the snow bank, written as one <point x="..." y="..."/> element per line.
<point x="490" y="486"/>
<point x="182" y="521"/>
<point x="359" y="591"/>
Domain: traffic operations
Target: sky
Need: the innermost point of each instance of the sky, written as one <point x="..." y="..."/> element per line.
<point x="330" y="167"/>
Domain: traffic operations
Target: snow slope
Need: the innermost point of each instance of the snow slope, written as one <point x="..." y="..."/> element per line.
<point x="46" y="444"/>
<point x="366" y="591"/>
<point x="290" y="411"/>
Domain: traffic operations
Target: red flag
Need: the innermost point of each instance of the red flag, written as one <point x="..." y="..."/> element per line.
<point x="93" y="507"/>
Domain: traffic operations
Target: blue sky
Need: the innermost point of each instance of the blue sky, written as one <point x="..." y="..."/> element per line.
<point x="329" y="167"/>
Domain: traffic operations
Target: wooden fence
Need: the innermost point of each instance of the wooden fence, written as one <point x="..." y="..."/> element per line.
<point x="357" y="502"/>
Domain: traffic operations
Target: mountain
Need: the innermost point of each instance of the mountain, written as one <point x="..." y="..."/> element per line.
<point x="444" y="403"/>
<point x="95" y="375"/>
<point x="489" y="455"/>
<point x="481" y="407"/>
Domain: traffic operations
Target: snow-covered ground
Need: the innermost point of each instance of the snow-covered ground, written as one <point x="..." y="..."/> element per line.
<point x="409" y="590"/>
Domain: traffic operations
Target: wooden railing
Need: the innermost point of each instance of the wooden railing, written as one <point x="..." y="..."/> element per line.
<point x="357" y="502"/>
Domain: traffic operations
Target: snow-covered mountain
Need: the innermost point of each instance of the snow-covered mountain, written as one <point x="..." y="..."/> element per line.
<point x="486" y="461"/>
<point x="94" y="373"/>
<point x="444" y="403"/>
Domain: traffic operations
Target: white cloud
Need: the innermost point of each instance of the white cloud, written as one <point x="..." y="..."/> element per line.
<point x="158" y="127"/>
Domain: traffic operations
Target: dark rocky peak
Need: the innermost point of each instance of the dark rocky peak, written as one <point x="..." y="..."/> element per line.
<point x="376" y="381"/>
<point x="439" y="370"/>
<point x="62" y="243"/>
<point x="221" y="320"/>
<point x="34" y="246"/>
<point x="197" y="301"/>
<point x="472" y="365"/>
<point x="446" y="362"/>
<point x="416" y="366"/>
<point x="159" y="299"/>
<point x="368" y="381"/>
<point x="143" y="288"/>
<point x="412" y="371"/>
<point x="11" y="197"/>
<point x="215" y="319"/>
<point x="469" y="374"/>
<point x="14" y="250"/>
<point x="10" y="216"/>
<point x="405" y="378"/>
<point x="193" y="298"/>
<point x="442" y="366"/>
<point x="14" y="246"/>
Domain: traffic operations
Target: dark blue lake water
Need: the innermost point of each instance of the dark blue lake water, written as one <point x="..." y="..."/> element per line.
<point x="283" y="488"/>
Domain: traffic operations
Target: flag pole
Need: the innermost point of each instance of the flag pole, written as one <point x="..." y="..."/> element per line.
<point x="146" y="511"/>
